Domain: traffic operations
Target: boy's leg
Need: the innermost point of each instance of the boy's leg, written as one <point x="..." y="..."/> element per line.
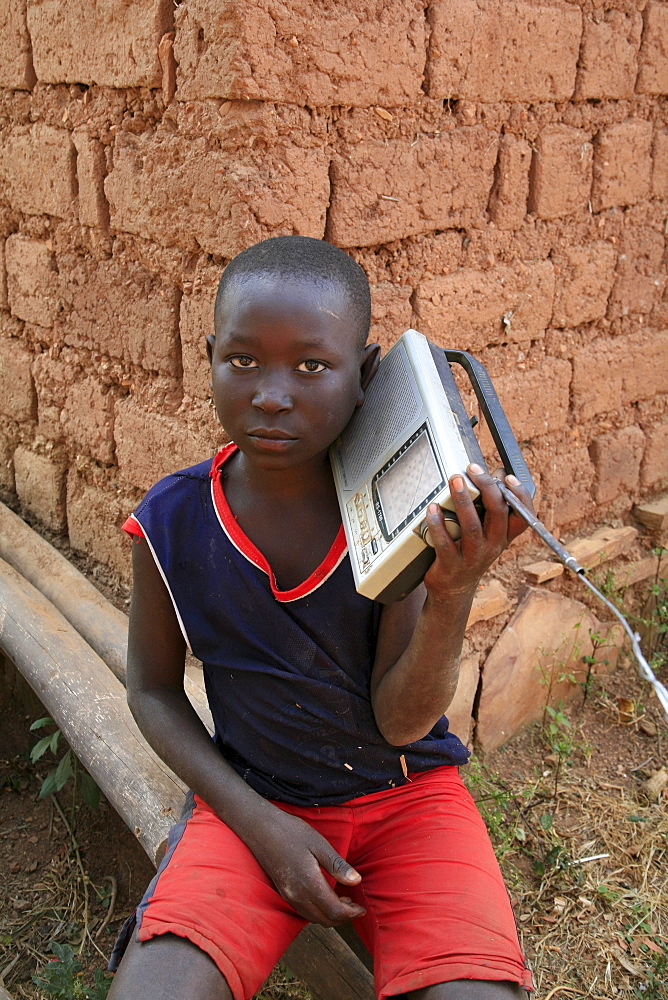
<point x="470" y="989"/>
<point x="168" y="968"/>
<point x="438" y="912"/>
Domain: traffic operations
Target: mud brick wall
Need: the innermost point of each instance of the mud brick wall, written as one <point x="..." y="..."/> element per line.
<point x="498" y="167"/>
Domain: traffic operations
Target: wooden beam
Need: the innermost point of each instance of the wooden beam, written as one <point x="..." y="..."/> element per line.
<point x="89" y="705"/>
<point x="540" y="572"/>
<point x="653" y="515"/>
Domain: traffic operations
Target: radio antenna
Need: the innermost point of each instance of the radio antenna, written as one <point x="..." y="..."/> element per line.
<point x="571" y="563"/>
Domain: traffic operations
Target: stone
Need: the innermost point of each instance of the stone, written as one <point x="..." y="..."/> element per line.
<point x="470" y="309"/>
<point x="545" y="640"/>
<point x="17" y="391"/>
<point x="95" y="515"/>
<point x="654" y="467"/>
<point x="322" y="54"/>
<point x="608" y="375"/>
<point x="38" y="166"/>
<point x="608" y="63"/>
<point x="508" y="200"/>
<point x="16" y="68"/>
<point x="561" y="172"/>
<point x="622" y="164"/>
<point x="616" y="456"/>
<point x="460" y="709"/>
<point x="390" y="313"/>
<point x="91" y="171"/>
<point x="491" y="599"/>
<point x="542" y="571"/>
<point x="40" y="485"/>
<point x="390" y="189"/>
<point x="584" y="277"/>
<point x="654" y="515"/>
<point x="32" y="281"/>
<point x="529" y="50"/>
<point x="653" y="72"/>
<point x="104" y="42"/>
<point x="88" y="419"/>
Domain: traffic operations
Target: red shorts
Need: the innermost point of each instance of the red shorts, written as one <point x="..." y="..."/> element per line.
<point x="437" y="908"/>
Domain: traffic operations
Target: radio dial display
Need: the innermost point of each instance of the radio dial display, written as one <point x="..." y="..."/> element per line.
<point x="407" y="483"/>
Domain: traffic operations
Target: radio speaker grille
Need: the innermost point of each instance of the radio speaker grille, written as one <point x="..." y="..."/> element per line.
<point x="391" y="405"/>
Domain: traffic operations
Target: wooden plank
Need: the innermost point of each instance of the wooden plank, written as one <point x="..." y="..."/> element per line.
<point x="653" y="515"/>
<point x="490" y="600"/>
<point x="604" y="544"/>
<point x="324" y="961"/>
<point x="635" y="572"/>
<point x="89" y="705"/>
<point x="543" y="570"/>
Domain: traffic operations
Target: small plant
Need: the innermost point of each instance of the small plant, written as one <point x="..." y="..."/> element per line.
<point x="590" y="661"/>
<point x="562" y="741"/>
<point x="62" y="978"/>
<point x="68" y="767"/>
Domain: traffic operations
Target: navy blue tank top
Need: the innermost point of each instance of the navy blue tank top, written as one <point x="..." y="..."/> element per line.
<point x="286" y="672"/>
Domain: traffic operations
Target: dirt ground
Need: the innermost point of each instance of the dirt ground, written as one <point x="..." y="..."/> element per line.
<point x="577" y="810"/>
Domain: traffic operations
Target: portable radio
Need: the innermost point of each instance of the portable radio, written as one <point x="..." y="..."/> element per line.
<point x="397" y="454"/>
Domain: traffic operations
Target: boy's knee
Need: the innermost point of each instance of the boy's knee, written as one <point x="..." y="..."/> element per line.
<point x="168" y="968"/>
<point x="470" y="989"/>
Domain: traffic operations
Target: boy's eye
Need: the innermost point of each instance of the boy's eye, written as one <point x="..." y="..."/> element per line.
<point x="241" y="361"/>
<point x="311" y="366"/>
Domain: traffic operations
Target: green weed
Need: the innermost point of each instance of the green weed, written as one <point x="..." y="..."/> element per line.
<point x="62" y="978"/>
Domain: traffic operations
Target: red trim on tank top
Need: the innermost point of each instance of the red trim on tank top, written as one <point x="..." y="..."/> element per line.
<point x="132" y="527"/>
<point x="246" y="547"/>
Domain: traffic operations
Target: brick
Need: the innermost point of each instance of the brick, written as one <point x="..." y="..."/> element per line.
<point x="466" y="309"/>
<point x="53" y="379"/>
<point x="40" y="485"/>
<point x="584" y="280"/>
<point x="529" y="51"/>
<point x="567" y="474"/>
<point x="603" y="545"/>
<point x="390" y="313"/>
<point x="561" y="172"/>
<point x="4" y="301"/>
<point x="16" y="69"/>
<point x="544" y="643"/>
<point x="654" y="468"/>
<point x="389" y="190"/>
<point x="319" y="54"/>
<point x="616" y="457"/>
<point x="634" y="572"/>
<point x="94" y="518"/>
<point x="38" y="166"/>
<point x="542" y="571"/>
<point x="17" y="392"/>
<point x="622" y="164"/>
<point x="537" y="401"/>
<point x="641" y="276"/>
<point x="104" y="42"/>
<point x="608" y="375"/>
<point x="9" y="437"/>
<point x="508" y="200"/>
<point x="609" y="55"/>
<point x="195" y="325"/>
<point x="653" y="72"/>
<point x="460" y="709"/>
<point x="88" y="419"/>
<point x="491" y="599"/>
<point x="32" y="281"/>
<point x="234" y="199"/>
<point x="654" y="516"/>
<point x="150" y="445"/>
<point x="660" y="164"/>
<point x="120" y="309"/>
<point x="91" y="171"/>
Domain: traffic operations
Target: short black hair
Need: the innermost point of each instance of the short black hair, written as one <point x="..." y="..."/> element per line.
<point x="302" y="257"/>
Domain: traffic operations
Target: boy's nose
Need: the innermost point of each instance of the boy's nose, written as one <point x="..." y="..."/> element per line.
<point x="272" y="398"/>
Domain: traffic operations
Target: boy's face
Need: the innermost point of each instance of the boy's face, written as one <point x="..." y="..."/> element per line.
<point x="285" y="365"/>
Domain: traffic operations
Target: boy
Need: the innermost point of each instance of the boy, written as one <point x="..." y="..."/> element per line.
<point x="321" y="698"/>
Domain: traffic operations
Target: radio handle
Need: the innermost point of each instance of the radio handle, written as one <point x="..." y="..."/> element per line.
<point x="496" y="420"/>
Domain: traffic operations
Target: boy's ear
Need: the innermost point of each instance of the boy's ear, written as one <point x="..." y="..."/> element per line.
<point x="210" y="344"/>
<point x="368" y="364"/>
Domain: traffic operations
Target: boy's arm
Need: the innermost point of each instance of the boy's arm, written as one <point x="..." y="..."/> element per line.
<point x="291" y="852"/>
<point x="419" y="644"/>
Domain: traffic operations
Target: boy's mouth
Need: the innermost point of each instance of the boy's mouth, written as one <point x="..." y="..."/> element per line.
<point x="271" y="439"/>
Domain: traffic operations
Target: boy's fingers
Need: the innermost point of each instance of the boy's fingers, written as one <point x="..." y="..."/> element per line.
<point x="496" y="509"/>
<point x="516" y="524"/>
<point x="338" y="868"/>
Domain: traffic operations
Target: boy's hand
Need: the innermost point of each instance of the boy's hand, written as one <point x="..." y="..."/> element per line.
<point x="459" y="565"/>
<point x="294" y="855"/>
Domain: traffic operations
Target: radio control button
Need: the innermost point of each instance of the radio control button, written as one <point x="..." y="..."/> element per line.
<point x="374" y="546"/>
